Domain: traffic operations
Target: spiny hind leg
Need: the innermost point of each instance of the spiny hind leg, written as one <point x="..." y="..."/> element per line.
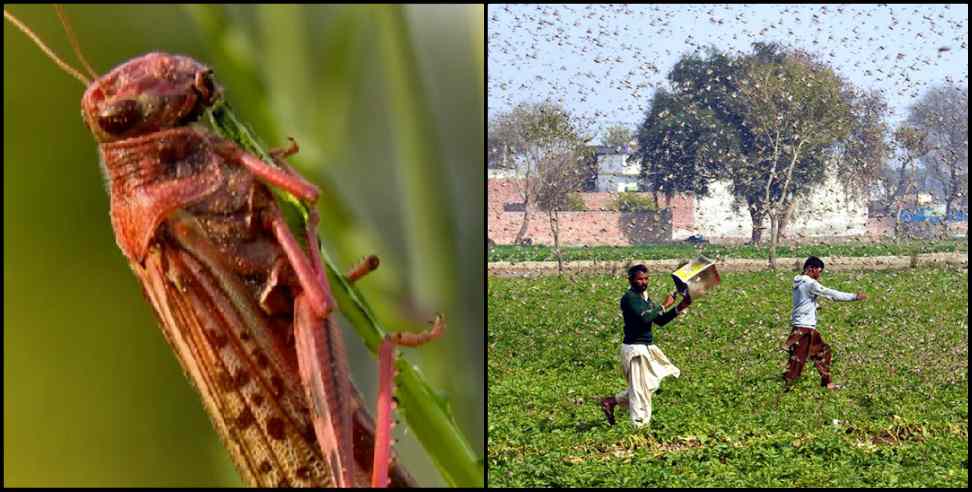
<point x="386" y="383"/>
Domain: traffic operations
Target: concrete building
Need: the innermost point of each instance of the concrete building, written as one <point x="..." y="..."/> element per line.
<point x="618" y="172"/>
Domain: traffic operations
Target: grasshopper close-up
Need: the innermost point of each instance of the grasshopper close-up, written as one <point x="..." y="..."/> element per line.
<point x="229" y="244"/>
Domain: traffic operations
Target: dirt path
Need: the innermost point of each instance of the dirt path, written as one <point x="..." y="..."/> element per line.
<point x="833" y="263"/>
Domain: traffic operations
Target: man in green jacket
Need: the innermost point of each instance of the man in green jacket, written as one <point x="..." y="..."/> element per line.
<point x="644" y="365"/>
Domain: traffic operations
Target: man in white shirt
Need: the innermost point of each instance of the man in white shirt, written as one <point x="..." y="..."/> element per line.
<point x="805" y="340"/>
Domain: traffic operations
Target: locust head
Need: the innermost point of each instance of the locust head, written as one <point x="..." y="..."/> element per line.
<point x="147" y="94"/>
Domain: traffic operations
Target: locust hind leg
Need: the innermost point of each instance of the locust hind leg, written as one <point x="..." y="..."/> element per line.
<point x="326" y="379"/>
<point x="320" y="352"/>
<point x="307" y="267"/>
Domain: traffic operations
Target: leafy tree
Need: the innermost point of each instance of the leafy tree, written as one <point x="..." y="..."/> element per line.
<point x="617" y="137"/>
<point x="771" y="122"/>
<point x="682" y="146"/>
<point x="863" y="155"/>
<point x="794" y="109"/>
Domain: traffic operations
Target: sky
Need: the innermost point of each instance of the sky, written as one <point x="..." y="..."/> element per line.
<point x="604" y="62"/>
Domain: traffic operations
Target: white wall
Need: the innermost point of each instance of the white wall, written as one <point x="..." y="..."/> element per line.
<point x="715" y="218"/>
<point x="617" y="164"/>
<point x="827" y="211"/>
<point x="501" y="173"/>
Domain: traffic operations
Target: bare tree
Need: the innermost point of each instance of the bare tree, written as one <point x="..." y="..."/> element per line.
<point x="558" y="176"/>
<point x="531" y="133"/>
<point x="912" y="145"/>
<point x="943" y="114"/>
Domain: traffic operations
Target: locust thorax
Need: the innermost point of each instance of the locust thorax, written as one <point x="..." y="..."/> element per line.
<point x="147" y="94"/>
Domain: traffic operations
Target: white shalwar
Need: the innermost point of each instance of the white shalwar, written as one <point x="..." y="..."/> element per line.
<point x="644" y="367"/>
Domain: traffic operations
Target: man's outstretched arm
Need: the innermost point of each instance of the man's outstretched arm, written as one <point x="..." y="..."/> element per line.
<point x="671" y="313"/>
<point x="834" y="294"/>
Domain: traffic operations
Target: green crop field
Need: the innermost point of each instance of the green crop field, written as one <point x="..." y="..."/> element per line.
<point x="684" y="250"/>
<point x="901" y="420"/>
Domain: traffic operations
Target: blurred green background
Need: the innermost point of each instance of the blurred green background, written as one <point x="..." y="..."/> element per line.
<point x="387" y="106"/>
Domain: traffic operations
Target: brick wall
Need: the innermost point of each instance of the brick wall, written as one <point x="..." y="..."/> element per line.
<point x="880" y="228"/>
<point x="597" y="225"/>
<point x="580" y="228"/>
<point x="681" y="205"/>
<point x="502" y="226"/>
<point x="686" y="215"/>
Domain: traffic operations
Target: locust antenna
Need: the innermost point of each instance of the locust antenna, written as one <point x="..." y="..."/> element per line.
<point x="64" y="66"/>
<point x="73" y="39"/>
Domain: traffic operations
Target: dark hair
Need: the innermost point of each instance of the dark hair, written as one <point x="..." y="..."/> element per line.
<point x="637" y="268"/>
<point x="813" y="262"/>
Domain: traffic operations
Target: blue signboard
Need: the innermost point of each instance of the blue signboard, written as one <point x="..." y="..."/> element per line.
<point x="924" y="214"/>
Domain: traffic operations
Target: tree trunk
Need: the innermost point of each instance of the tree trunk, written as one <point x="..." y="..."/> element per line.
<point x="774" y="233"/>
<point x="897" y="223"/>
<point x="784" y="220"/>
<point x="526" y="216"/>
<point x="757" y="216"/>
<point x="523" y="227"/>
<point x="951" y="191"/>
<point x="953" y="197"/>
<point x="555" y="229"/>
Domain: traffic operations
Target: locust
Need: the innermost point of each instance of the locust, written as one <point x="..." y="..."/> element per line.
<point x="222" y="238"/>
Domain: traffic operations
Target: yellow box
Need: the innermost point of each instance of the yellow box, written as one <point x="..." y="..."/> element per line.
<point x="696" y="277"/>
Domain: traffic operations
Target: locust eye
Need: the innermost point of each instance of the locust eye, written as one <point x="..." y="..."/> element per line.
<point x="119" y="116"/>
<point x="205" y="86"/>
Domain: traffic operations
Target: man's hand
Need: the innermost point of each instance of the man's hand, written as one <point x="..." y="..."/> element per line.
<point x="668" y="301"/>
<point x="861" y="296"/>
<point x="686" y="302"/>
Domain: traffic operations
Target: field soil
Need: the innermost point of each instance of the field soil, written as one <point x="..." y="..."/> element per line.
<point x="833" y="263"/>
